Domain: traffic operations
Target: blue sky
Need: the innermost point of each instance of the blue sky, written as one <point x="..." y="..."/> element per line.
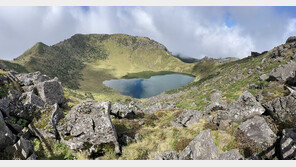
<point x="190" y="31"/>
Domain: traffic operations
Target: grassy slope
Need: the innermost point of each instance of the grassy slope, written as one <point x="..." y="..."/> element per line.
<point x="84" y="61"/>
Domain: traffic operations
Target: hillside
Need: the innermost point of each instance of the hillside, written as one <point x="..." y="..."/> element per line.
<point x="84" y="61"/>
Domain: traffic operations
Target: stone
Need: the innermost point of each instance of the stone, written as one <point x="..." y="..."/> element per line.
<point x="27" y="79"/>
<point x="231" y="155"/>
<point x="244" y="108"/>
<point x="291" y="39"/>
<point x="169" y="155"/>
<point x="6" y="136"/>
<point x="51" y="92"/>
<point x="288" y="144"/>
<point x="283" y="109"/>
<point x="284" y="73"/>
<point x="258" y="130"/>
<point x="31" y="98"/>
<point x="122" y="111"/>
<point x="88" y="126"/>
<point x="215" y="106"/>
<point x="263" y="77"/>
<point x="158" y="107"/>
<point x="189" y="117"/>
<point x="201" y="148"/>
<point x="22" y="149"/>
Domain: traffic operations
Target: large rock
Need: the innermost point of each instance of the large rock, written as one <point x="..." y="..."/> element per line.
<point x="284" y="73"/>
<point x="23" y="149"/>
<point x="123" y="111"/>
<point x="258" y="130"/>
<point x="244" y="108"/>
<point x="6" y="136"/>
<point x="169" y="155"/>
<point x="159" y="106"/>
<point x="288" y="144"/>
<point x="201" y="148"/>
<point x="51" y="92"/>
<point x="189" y="117"/>
<point x="291" y="39"/>
<point x="31" y="98"/>
<point x="44" y="124"/>
<point x="88" y="126"/>
<point x="28" y="79"/>
<point x="231" y="155"/>
<point x="215" y="106"/>
<point x="283" y="109"/>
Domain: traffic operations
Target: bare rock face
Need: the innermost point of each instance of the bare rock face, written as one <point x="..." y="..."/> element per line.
<point x="6" y="136"/>
<point x="88" y="127"/>
<point x="168" y="155"/>
<point x="201" y="148"/>
<point x="244" y="108"/>
<point x="231" y="155"/>
<point x="51" y="92"/>
<point x="288" y="144"/>
<point x="188" y="117"/>
<point x="283" y="109"/>
<point x="285" y="73"/>
<point x="258" y="130"/>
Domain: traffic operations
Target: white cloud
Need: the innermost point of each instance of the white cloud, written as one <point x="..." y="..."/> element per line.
<point x="191" y="31"/>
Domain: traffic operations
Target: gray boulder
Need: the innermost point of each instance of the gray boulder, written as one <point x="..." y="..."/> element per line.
<point x="244" y="108"/>
<point x="88" y="126"/>
<point x="189" y="117"/>
<point x="31" y="98"/>
<point x="122" y="111"/>
<point x="23" y="149"/>
<point x="288" y="144"/>
<point x="283" y="109"/>
<point x="215" y="106"/>
<point x="284" y="73"/>
<point x="6" y="136"/>
<point x="51" y="92"/>
<point x="258" y="130"/>
<point x="201" y="148"/>
<point x="28" y="79"/>
<point x="169" y="155"/>
<point x="263" y="77"/>
<point x="231" y="155"/>
<point x="291" y="39"/>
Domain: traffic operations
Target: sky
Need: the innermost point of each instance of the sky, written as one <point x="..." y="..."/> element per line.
<point x="196" y="32"/>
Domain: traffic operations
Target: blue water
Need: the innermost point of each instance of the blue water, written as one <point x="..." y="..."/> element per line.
<point x="143" y="88"/>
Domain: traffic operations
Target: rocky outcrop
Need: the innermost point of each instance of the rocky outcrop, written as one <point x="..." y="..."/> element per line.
<point x="283" y="109"/>
<point x="23" y="149"/>
<point x="291" y="39"/>
<point x="51" y="92"/>
<point x="201" y="148"/>
<point x="6" y="136"/>
<point x="27" y="79"/>
<point x="285" y="73"/>
<point x="123" y="111"/>
<point x="288" y="144"/>
<point x="169" y="155"/>
<point x="244" y="108"/>
<point x="188" y="117"/>
<point x="88" y="126"/>
<point x="31" y="98"/>
<point x="231" y="155"/>
<point x="258" y="130"/>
